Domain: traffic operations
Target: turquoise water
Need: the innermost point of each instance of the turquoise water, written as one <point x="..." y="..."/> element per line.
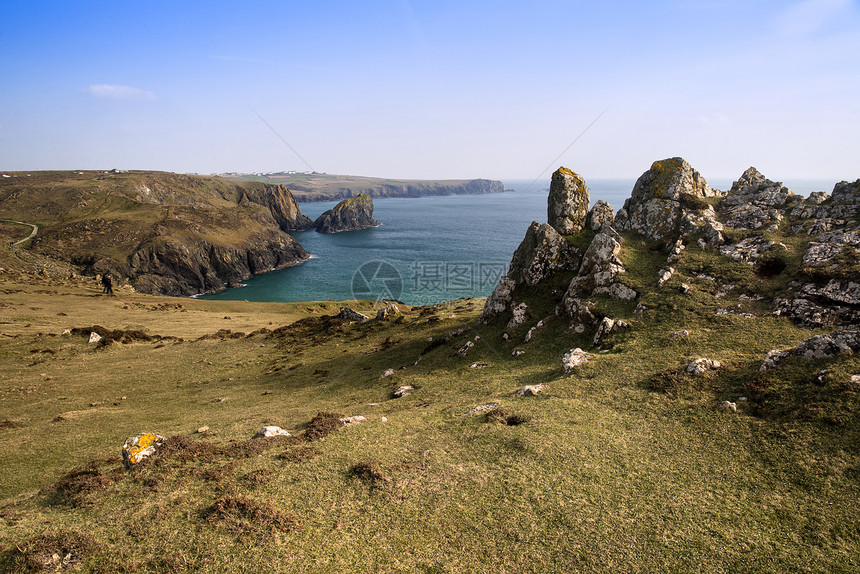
<point x="427" y="250"/>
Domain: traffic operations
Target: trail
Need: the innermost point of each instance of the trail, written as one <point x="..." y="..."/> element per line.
<point x="29" y="237"/>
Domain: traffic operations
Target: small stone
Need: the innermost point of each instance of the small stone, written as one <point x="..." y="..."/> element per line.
<point x="202" y="429"/>
<point x="700" y="366"/>
<point x="727" y="406"/>
<point x="269" y="431"/>
<point x="403" y="390"/>
<point x="478" y="366"/>
<point x="518" y="352"/>
<point x="465" y="348"/>
<point x="140" y="447"/>
<point x="683" y="334"/>
<point x="94" y="337"/>
<point x="505" y="336"/>
<point x="483" y="408"/>
<point x="355" y="420"/>
<point x="685" y="289"/>
<point x="384" y="419"/>
<point x="529" y="390"/>
<point x="573" y="359"/>
<point x="388" y="373"/>
<point x="67" y="332"/>
<point x="387" y="312"/>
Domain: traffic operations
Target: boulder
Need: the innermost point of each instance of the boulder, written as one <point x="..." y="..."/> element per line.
<point x="352" y="421"/>
<point x="529" y="390"/>
<point x="519" y="314"/>
<point x="352" y="315"/>
<point x="755" y="202"/>
<point x="654" y="208"/>
<point x="387" y="312"/>
<point x="403" y="391"/>
<point x="606" y="327"/>
<point x="567" y="205"/>
<point x="140" y="447"/>
<point x="601" y="214"/>
<point x="349" y="215"/>
<point x="701" y="366"/>
<point x="498" y="302"/>
<point x="542" y="253"/>
<point x="270" y="431"/>
<point x="845" y="341"/>
<point x="573" y="359"/>
<point x="728" y="407"/>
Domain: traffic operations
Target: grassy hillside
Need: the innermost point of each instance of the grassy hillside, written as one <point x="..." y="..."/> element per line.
<point x="626" y="465"/>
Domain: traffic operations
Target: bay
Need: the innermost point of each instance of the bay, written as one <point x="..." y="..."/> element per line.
<point x="427" y="250"/>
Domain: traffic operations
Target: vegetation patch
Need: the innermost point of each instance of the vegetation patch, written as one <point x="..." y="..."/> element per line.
<point x="501" y="415"/>
<point x="322" y="424"/>
<point x="371" y="473"/>
<point x="245" y="516"/>
<point x="49" y="552"/>
<point x="299" y="453"/>
<point x="74" y="488"/>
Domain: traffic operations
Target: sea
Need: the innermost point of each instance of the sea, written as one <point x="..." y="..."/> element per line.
<point x="427" y="250"/>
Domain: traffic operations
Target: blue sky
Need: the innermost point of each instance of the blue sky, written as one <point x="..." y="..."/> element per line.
<point x="433" y="89"/>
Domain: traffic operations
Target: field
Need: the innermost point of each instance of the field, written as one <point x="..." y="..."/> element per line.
<point x="625" y="465"/>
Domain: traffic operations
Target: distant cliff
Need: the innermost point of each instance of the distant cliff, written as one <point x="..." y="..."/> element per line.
<point x="348" y="215"/>
<point x="325" y="187"/>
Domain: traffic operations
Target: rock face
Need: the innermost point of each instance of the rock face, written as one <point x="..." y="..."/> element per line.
<point x="655" y="206"/>
<point x="282" y="205"/>
<point x="179" y="269"/>
<point x="601" y="214"/>
<point x="567" y="206"/>
<point x="348" y="215"/>
<point x="755" y="202"/>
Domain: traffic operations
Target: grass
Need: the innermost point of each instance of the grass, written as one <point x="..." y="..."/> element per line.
<point x="605" y="470"/>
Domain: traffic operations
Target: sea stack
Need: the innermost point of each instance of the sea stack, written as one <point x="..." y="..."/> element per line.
<point x="348" y="215"/>
<point x="567" y="205"/>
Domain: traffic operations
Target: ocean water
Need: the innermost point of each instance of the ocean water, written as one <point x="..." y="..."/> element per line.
<point x="428" y="249"/>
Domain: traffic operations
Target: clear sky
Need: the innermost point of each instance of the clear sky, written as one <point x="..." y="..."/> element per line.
<point x="433" y="89"/>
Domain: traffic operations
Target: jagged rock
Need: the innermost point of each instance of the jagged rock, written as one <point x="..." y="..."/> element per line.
<point x="750" y="249"/>
<point x="352" y="421"/>
<point x="387" y="312"/>
<point x="482" y="408"/>
<point x="529" y="390"/>
<point x="754" y="202"/>
<point x="478" y="366"/>
<point x="282" y="205"/>
<point x="597" y="273"/>
<point x="601" y="214"/>
<point x="839" y="290"/>
<point x="517" y="352"/>
<point x="348" y="215"/>
<point x="352" y="315"/>
<point x="542" y="253"/>
<point x="818" y="347"/>
<point x="664" y="275"/>
<point x="577" y="309"/>
<point x="828" y="245"/>
<point x="531" y="332"/>
<point x="270" y="431"/>
<point x="606" y="327"/>
<point x="497" y="303"/>
<point x="700" y="366"/>
<point x="845" y="201"/>
<point x="567" y="205"/>
<point x="654" y="208"/>
<point x="675" y="252"/>
<point x="573" y="359"/>
<point x="403" y="391"/>
<point x="140" y="447"/>
<point x="685" y="289"/>
<point x="519" y="314"/>
<point x="619" y="291"/>
<point x="465" y="348"/>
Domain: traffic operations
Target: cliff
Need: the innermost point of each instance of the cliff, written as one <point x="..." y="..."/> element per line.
<point x="169" y="234"/>
<point x="348" y="215"/>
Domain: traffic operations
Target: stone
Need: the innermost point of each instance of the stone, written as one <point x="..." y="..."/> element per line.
<point x="755" y="202"/>
<point x="729" y="407"/>
<point x="573" y="359"/>
<point x="403" y="391"/>
<point x="683" y="334"/>
<point x="685" y="289"/>
<point x="675" y="252"/>
<point x="701" y="366"/>
<point x="140" y="447"/>
<point x="478" y="366"/>
<point x="664" y="275"/>
<point x="601" y="214"/>
<point x="94" y="337"/>
<point x="518" y="352"/>
<point x="482" y="408"/>
<point x="270" y="431"/>
<point x="465" y="348"/>
<point x="518" y="315"/>
<point x="352" y="421"/>
<point x="606" y="327"/>
<point x="498" y="302"/>
<point x="654" y="208"/>
<point x="828" y="245"/>
<point x="751" y="249"/>
<point x="388" y="373"/>
<point x="845" y="201"/>
<point x="843" y="341"/>
<point x="567" y="204"/>
<point x="349" y="215"/>
<point x="352" y="315"/>
<point x="532" y="331"/>
<point x="620" y="291"/>
<point x="387" y="312"/>
<point x="529" y="390"/>
<point x="202" y="429"/>
<point x="542" y="253"/>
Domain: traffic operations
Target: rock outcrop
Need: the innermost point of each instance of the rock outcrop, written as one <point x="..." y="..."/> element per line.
<point x="660" y="197"/>
<point x="601" y="214"/>
<point x="348" y="215"/>
<point x="282" y="205"/>
<point x="755" y="202"/>
<point x="567" y="206"/>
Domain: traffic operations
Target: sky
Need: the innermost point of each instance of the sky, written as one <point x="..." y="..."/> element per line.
<point x="434" y="89"/>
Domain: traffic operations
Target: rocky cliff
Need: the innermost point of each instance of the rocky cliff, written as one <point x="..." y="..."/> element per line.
<point x="169" y="234"/>
<point x="348" y="215"/>
<point x="321" y="187"/>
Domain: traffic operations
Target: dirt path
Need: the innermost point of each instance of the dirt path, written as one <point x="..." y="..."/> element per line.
<point x="29" y="237"/>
